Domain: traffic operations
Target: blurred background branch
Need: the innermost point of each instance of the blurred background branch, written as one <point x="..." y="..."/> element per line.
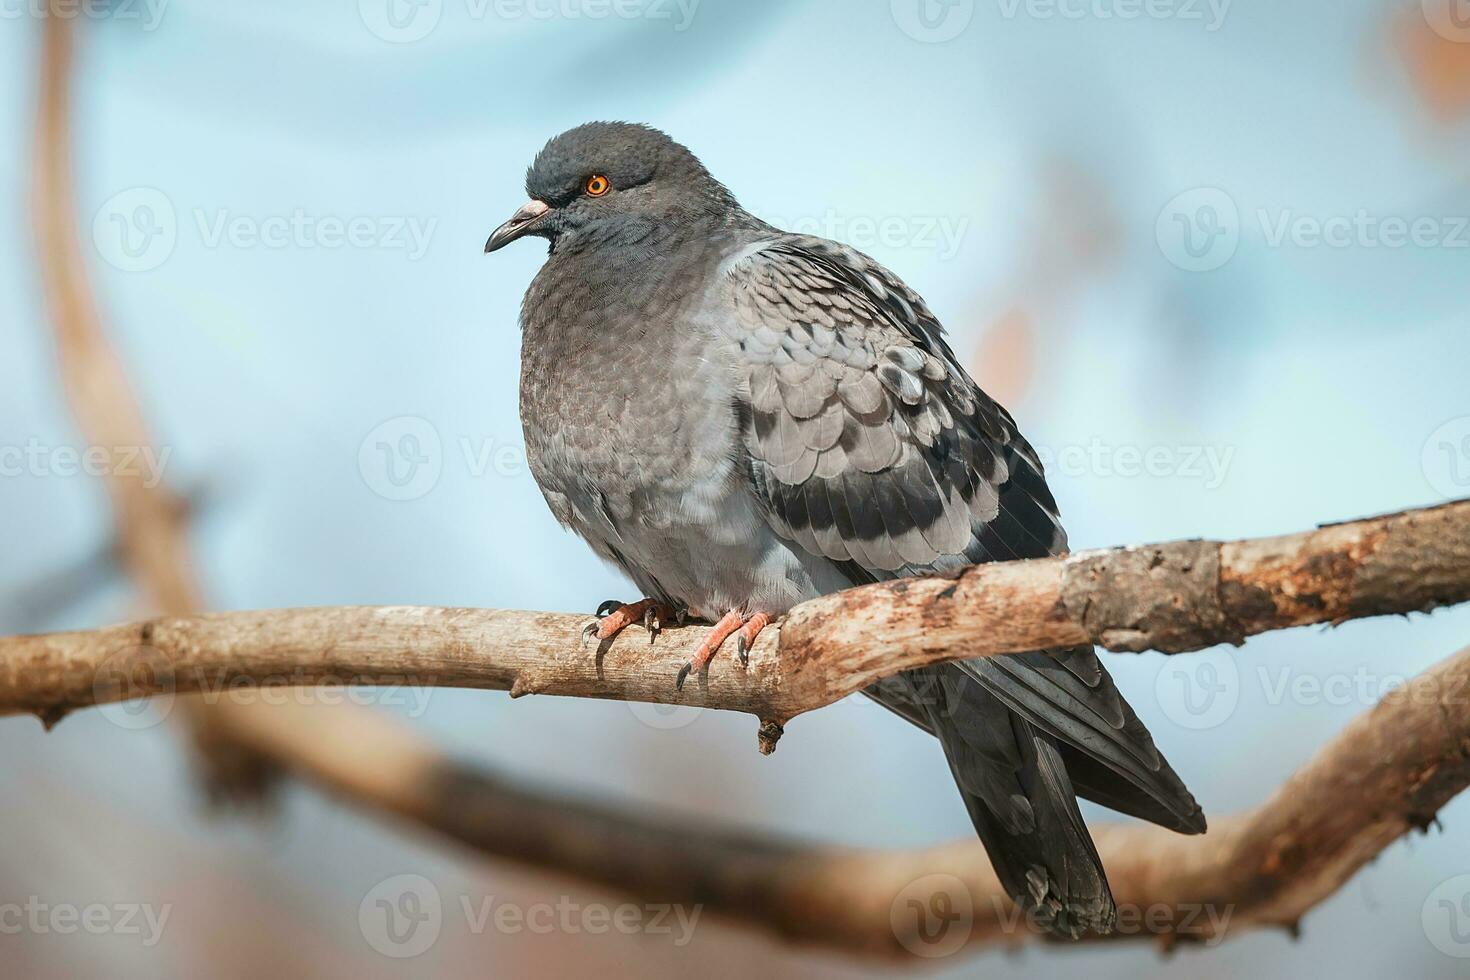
<point x="150" y="523"/>
<point x="1388" y="773"/>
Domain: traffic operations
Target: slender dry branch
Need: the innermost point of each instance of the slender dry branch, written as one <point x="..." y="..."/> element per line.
<point x="1178" y="596"/>
<point x="1185" y="595"/>
<point x="150" y="523"/>
<point x="1388" y="772"/>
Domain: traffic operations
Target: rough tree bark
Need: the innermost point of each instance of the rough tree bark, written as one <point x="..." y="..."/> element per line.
<point x="1172" y="597"/>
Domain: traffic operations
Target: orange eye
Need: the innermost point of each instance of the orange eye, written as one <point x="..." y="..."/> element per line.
<point x="598" y="185"/>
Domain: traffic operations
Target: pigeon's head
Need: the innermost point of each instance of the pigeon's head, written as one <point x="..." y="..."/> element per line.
<point x="606" y="174"/>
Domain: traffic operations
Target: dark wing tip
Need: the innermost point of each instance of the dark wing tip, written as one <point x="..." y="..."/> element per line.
<point x="1195" y="823"/>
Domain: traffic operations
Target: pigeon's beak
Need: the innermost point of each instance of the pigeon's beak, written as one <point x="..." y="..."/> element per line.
<point x="520" y="223"/>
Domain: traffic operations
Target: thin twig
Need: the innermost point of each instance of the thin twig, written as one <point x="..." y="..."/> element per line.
<point x="149" y="522"/>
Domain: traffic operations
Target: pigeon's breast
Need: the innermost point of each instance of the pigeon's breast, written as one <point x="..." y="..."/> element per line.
<point x="633" y="435"/>
<point x="624" y="398"/>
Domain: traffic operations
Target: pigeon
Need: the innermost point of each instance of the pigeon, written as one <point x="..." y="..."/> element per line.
<point x="741" y="419"/>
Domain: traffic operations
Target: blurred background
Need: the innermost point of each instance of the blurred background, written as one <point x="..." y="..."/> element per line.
<point x="1215" y="257"/>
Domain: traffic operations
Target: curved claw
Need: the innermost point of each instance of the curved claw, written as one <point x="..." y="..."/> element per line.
<point x="613" y="617"/>
<point x="748" y="633"/>
<point x="729" y="623"/>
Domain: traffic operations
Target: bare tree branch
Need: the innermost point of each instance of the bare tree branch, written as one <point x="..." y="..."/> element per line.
<point x="1179" y="596"/>
<point x="1185" y="595"/>
<point x="150" y="523"/>
<point x="1388" y="772"/>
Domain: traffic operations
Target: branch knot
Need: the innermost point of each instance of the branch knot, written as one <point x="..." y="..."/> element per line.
<point x="1159" y="597"/>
